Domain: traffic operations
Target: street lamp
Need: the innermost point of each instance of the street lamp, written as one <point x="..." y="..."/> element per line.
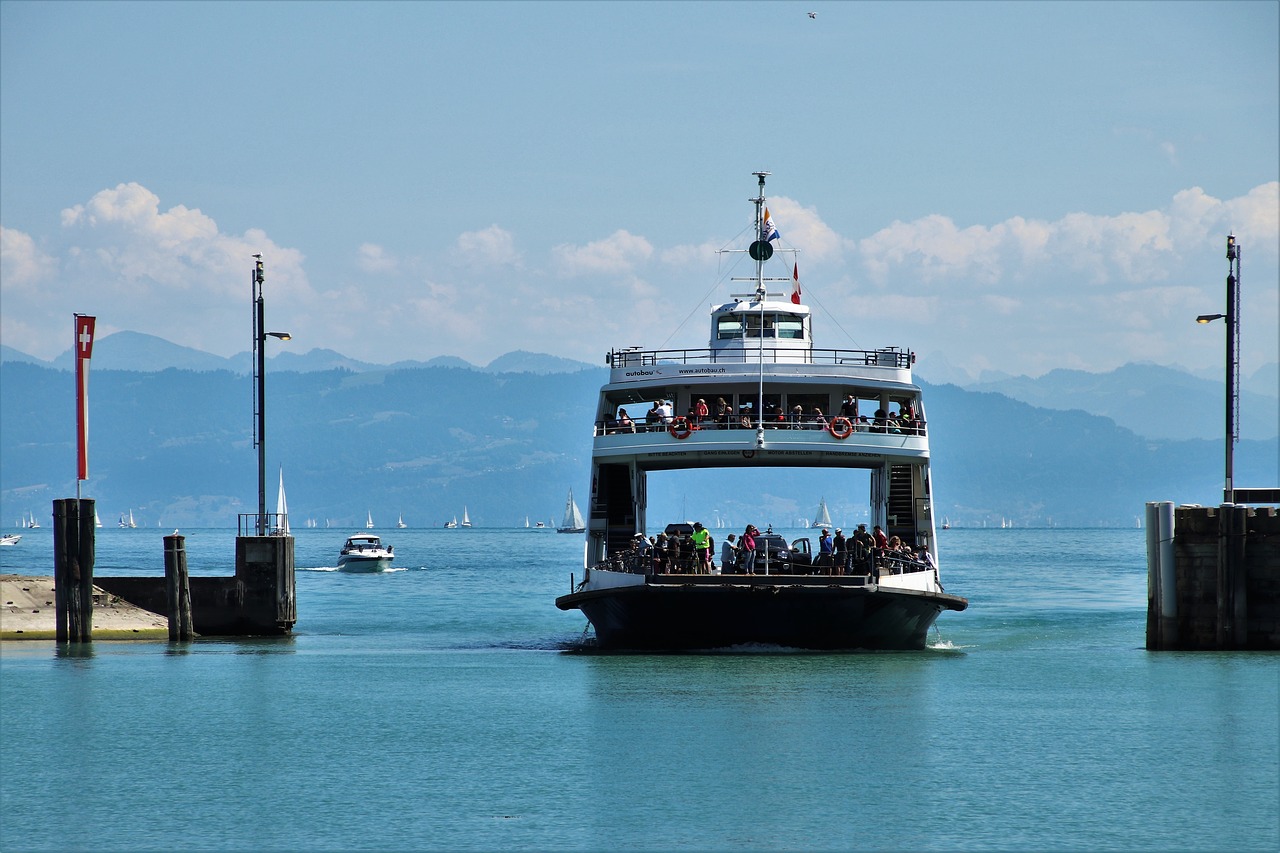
<point x="1232" y="318"/>
<point x="260" y="400"/>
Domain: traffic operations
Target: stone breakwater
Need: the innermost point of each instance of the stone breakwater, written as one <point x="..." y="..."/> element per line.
<point x="27" y="612"/>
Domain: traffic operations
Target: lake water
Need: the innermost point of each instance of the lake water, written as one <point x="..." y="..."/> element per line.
<point x="443" y="707"/>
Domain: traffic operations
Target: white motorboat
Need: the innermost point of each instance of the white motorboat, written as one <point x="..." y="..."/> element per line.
<point x="761" y="360"/>
<point x="451" y="525"/>
<point x="572" y="521"/>
<point x="10" y="539"/>
<point x="364" y="552"/>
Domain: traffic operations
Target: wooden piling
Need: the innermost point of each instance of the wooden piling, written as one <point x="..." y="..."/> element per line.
<point x="73" y="556"/>
<point x="177" y="588"/>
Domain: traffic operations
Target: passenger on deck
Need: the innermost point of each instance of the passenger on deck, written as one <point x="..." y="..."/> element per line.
<point x="723" y="414"/>
<point x="839" y="552"/>
<point x="849" y="408"/>
<point x="699" y="412"/>
<point x="660" y="562"/>
<point x="745" y="416"/>
<point x="749" y="550"/>
<point x="653" y="417"/>
<point x="702" y="549"/>
<point x="861" y="554"/>
<point x="625" y="424"/>
<point x="825" y="547"/>
<point x="728" y="555"/>
<point x="667" y="412"/>
<point x="797" y="417"/>
<point x="817" y="420"/>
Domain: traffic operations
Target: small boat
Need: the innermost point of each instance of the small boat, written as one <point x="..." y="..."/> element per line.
<point x="946" y="523"/>
<point x="368" y="525"/>
<point x="363" y="552"/>
<point x="127" y="521"/>
<point x="31" y="522"/>
<point x="97" y="522"/>
<point x="451" y="525"/>
<point x="466" y="519"/>
<point x="539" y="525"/>
<point x="572" y="521"/>
<point x="400" y="522"/>
<point x="10" y="539"/>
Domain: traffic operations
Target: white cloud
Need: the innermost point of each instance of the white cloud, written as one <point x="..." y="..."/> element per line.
<point x="617" y="254"/>
<point x="22" y="264"/>
<point x="492" y="246"/>
<point x="372" y="258"/>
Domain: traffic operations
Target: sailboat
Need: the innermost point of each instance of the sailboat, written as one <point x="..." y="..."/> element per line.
<point x="400" y="522"/>
<point x="946" y="522"/>
<point x="466" y="519"/>
<point x="32" y="523"/>
<point x="127" y="522"/>
<point x="450" y="525"/>
<point x="823" y="518"/>
<point x="572" y="521"/>
<point x="369" y="524"/>
<point x="97" y="522"/>
<point x="282" y="510"/>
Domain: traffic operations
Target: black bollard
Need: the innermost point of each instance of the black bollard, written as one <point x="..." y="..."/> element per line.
<point x="73" y="555"/>
<point x="177" y="588"/>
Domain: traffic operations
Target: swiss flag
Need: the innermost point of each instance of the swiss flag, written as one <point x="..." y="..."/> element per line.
<point x="795" y="284"/>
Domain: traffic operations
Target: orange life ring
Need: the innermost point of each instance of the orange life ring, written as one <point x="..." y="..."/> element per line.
<point x="841" y="428"/>
<point x="680" y="428"/>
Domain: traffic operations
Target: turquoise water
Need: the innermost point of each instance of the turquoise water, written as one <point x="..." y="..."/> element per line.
<point x="443" y="707"/>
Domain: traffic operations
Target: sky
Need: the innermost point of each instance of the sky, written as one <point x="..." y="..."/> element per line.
<point x="1013" y="187"/>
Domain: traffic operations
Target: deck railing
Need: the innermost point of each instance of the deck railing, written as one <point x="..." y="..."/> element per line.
<point x="862" y="425"/>
<point x="886" y="357"/>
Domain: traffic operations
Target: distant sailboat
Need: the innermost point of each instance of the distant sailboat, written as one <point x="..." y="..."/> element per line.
<point x="282" y="510"/>
<point x="946" y="522"/>
<point x="127" y="522"/>
<point x="400" y="522"/>
<point x="823" y="518"/>
<point x="97" y="522"/>
<point x="572" y="521"/>
<point x="369" y="524"/>
<point x="450" y="525"/>
<point x="32" y="523"/>
<point x="466" y="519"/>
<point x="526" y="521"/>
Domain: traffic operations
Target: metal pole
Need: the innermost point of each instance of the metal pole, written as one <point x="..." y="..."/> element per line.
<point x="1233" y="361"/>
<point x="259" y="345"/>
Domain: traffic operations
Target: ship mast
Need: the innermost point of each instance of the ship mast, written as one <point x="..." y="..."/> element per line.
<point x="761" y="250"/>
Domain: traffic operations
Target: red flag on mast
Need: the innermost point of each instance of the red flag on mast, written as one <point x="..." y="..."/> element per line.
<point x="84" y="351"/>
<point x="795" y="284"/>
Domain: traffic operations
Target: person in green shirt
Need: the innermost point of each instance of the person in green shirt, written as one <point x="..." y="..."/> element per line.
<point x="702" y="546"/>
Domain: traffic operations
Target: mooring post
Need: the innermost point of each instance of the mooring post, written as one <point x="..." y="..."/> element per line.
<point x="177" y="588"/>
<point x="1162" y="579"/>
<point x="73" y="555"/>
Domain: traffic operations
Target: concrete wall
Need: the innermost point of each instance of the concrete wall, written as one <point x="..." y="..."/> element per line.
<point x="259" y="600"/>
<point x="1227" y="581"/>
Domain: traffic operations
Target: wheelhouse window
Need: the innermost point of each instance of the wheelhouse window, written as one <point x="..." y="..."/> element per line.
<point x="729" y="327"/>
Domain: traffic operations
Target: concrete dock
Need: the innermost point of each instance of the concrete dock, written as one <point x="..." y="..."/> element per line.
<point x="27" y="612"/>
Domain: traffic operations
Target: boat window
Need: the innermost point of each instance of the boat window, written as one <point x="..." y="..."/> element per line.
<point x="790" y="326"/>
<point x="753" y="325"/>
<point x="773" y="415"/>
<point x="729" y="327"/>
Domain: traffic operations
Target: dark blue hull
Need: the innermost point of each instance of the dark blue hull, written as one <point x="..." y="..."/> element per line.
<point x="707" y="614"/>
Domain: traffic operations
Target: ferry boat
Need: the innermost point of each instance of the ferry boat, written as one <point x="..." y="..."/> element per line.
<point x="788" y="405"/>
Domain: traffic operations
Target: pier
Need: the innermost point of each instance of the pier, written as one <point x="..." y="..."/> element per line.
<point x="1213" y="577"/>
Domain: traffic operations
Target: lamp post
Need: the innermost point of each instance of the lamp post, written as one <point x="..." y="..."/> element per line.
<point x="260" y="336"/>
<point x="1232" y="318"/>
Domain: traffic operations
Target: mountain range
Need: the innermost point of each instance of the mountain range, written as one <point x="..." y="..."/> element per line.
<point x="174" y="442"/>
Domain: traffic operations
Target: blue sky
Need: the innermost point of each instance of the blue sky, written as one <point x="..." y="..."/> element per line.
<point x="1007" y="186"/>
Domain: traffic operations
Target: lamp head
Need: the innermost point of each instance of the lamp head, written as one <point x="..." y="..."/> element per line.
<point x="284" y="336"/>
<point x="1209" y="318"/>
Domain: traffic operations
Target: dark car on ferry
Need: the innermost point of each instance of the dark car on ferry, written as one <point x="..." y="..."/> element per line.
<point x="783" y="559"/>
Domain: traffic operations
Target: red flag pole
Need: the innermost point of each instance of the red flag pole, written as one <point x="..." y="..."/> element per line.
<point x="84" y="351"/>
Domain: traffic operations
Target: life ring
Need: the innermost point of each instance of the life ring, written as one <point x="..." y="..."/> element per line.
<point x="841" y="428"/>
<point x="680" y="428"/>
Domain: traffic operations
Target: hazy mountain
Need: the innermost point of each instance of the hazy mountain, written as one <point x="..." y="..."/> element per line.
<point x="533" y="362"/>
<point x="1153" y="401"/>
<point x="175" y="446"/>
